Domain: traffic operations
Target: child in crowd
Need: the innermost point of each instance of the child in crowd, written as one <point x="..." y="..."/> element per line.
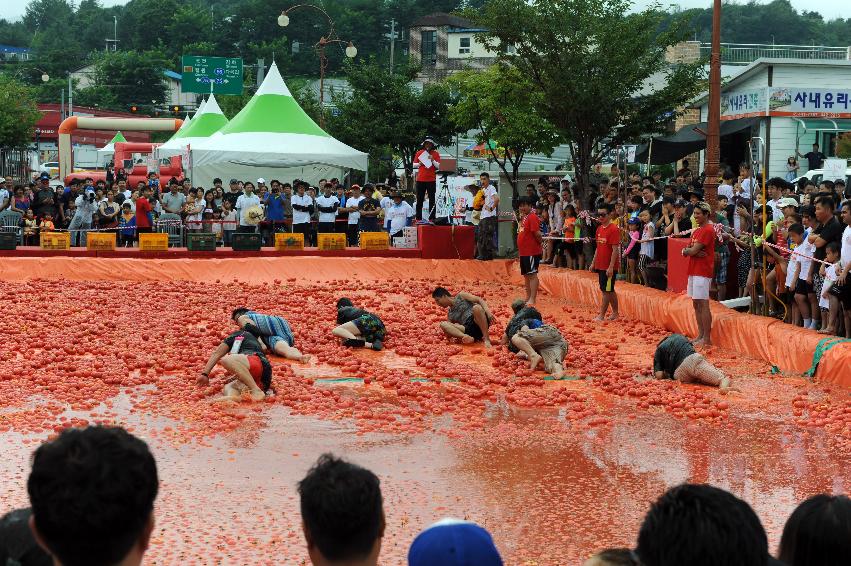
<point x="647" y="250"/>
<point x="46" y="224"/>
<point x="791" y="282"/>
<point x="229" y="222"/>
<point x="631" y="253"/>
<point x="829" y="301"/>
<point x="30" y="226"/>
<point x="571" y="243"/>
<point x="216" y="226"/>
<point x="804" y="283"/>
<point x="808" y="219"/>
<point x="126" y="226"/>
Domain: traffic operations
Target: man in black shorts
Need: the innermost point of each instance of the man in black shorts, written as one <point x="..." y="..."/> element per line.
<point x="242" y="354"/>
<point x="469" y="317"/>
<point x="529" y="248"/>
<point x="357" y="327"/>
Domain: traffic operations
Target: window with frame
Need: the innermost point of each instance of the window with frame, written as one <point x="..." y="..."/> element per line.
<point x="464" y="45"/>
<point x="428" y="47"/>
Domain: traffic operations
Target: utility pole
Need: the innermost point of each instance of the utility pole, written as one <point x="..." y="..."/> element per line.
<point x="713" y="126"/>
<point x="392" y="44"/>
<point x="261" y="71"/>
<point x="70" y="97"/>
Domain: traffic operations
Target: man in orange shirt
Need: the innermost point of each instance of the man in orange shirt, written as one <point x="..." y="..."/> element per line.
<point x="701" y="269"/>
<point x="429" y="162"/>
<point x="608" y="251"/>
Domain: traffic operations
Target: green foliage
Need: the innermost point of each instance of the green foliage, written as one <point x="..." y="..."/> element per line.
<point x="18" y="113"/>
<point x="502" y="105"/>
<point x="384" y="112"/>
<point x="131" y="77"/>
<point x="588" y="62"/>
<point x="843" y="145"/>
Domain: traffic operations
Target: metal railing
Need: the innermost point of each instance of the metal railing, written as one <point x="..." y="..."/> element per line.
<point x="16" y="163"/>
<point x="745" y="53"/>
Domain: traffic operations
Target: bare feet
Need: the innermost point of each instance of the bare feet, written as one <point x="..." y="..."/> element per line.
<point x="467" y="339"/>
<point x="305" y="358"/>
<point x="257" y="395"/>
<point x="534" y="361"/>
<point x="224" y="399"/>
<point x="598" y="318"/>
<point x="827" y="330"/>
<point x="614" y="316"/>
<point x="487" y="343"/>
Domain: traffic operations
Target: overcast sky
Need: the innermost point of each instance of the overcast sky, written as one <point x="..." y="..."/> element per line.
<point x="830" y="9"/>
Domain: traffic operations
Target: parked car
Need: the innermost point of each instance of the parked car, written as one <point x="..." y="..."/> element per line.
<point x="51" y="167"/>
<point x="817" y="175"/>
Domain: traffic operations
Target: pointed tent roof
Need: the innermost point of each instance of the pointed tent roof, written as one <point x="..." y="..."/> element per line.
<point x="273" y="131"/>
<point x="110" y="147"/>
<point x="208" y="120"/>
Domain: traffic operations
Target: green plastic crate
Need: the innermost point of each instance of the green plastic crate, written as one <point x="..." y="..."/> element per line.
<point x="201" y="242"/>
<point x="8" y="240"/>
<point x="245" y="242"/>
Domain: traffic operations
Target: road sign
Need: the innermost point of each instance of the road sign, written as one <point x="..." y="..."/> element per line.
<point x="223" y="73"/>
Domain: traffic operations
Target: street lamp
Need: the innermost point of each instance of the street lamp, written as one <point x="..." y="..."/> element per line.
<point x="329" y="38"/>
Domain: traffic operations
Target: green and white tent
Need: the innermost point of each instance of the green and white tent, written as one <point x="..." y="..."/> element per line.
<point x="208" y="120"/>
<point x="272" y="132"/>
<point x="110" y="147"/>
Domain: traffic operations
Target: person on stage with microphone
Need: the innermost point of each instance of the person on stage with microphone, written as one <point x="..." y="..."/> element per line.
<point x="428" y="160"/>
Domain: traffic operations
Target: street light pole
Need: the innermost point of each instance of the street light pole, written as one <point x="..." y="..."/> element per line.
<point x="331" y="37"/>
<point x="713" y="135"/>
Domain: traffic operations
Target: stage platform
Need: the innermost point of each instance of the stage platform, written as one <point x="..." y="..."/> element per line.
<point x="220" y="253"/>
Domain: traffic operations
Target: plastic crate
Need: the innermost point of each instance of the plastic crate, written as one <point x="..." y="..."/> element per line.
<point x="289" y="242"/>
<point x="331" y="241"/>
<point x="201" y="242"/>
<point x="153" y="242"/>
<point x="55" y="240"/>
<point x="104" y="241"/>
<point x="246" y="242"/>
<point x="8" y="240"/>
<point x="374" y="240"/>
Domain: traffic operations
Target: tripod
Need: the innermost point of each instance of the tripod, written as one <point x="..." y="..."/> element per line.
<point x="444" y="196"/>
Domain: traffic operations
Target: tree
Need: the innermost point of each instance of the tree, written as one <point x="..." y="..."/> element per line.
<point x="597" y="73"/>
<point x="498" y="102"/>
<point x="18" y="113"/>
<point x="385" y="112"/>
<point x="131" y="77"/>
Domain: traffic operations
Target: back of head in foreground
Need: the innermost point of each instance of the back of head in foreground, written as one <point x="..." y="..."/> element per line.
<point x="452" y="542"/>
<point x="818" y="533"/>
<point x="92" y="493"/>
<point x="701" y="525"/>
<point x="342" y="513"/>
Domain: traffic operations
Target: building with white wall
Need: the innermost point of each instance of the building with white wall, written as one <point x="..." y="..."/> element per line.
<point x="792" y="103"/>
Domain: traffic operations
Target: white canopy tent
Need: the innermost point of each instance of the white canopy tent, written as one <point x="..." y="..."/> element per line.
<point x="208" y="120"/>
<point x="272" y="137"/>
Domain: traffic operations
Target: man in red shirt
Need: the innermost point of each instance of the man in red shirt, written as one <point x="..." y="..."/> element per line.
<point x="605" y="258"/>
<point x="143" y="211"/>
<point x="529" y="247"/>
<point x="701" y="269"/>
<point x="429" y="162"/>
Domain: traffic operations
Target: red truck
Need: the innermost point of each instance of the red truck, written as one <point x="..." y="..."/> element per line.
<point x="135" y="169"/>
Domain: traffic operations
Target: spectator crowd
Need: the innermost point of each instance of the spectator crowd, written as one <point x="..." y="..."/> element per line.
<point x="179" y="207"/>
<point x="92" y="493"/>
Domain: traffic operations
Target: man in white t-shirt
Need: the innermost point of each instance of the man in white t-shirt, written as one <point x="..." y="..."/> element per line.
<point x="398" y="215"/>
<point x="354" y="215"/>
<point x="487" y="225"/>
<point x="246" y="201"/>
<point x="327" y="205"/>
<point x="302" y="209"/>
<point x="386" y="202"/>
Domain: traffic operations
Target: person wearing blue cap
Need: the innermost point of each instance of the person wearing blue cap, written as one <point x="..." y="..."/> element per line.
<point x="452" y="542"/>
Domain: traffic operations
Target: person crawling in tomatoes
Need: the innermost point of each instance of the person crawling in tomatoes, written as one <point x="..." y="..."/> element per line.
<point x="242" y="354"/>
<point x="675" y="358"/>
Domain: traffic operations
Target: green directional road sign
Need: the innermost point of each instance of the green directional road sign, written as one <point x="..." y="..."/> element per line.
<point x="223" y="73"/>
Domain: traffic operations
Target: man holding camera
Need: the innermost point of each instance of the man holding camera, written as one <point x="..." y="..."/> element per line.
<point x="81" y="223"/>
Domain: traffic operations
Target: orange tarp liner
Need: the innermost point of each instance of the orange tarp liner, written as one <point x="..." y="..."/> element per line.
<point x="787" y="347"/>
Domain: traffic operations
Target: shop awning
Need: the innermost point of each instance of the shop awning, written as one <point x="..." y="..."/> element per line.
<point x="687" y="140"/>
<point x="823" y="124"/>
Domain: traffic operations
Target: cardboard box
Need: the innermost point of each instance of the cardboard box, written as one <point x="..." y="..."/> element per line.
<point x="153" y="242"/>
<point x="289" y="242"/>
<point x="100" y="241"/>
<point x="55" y="240"/>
